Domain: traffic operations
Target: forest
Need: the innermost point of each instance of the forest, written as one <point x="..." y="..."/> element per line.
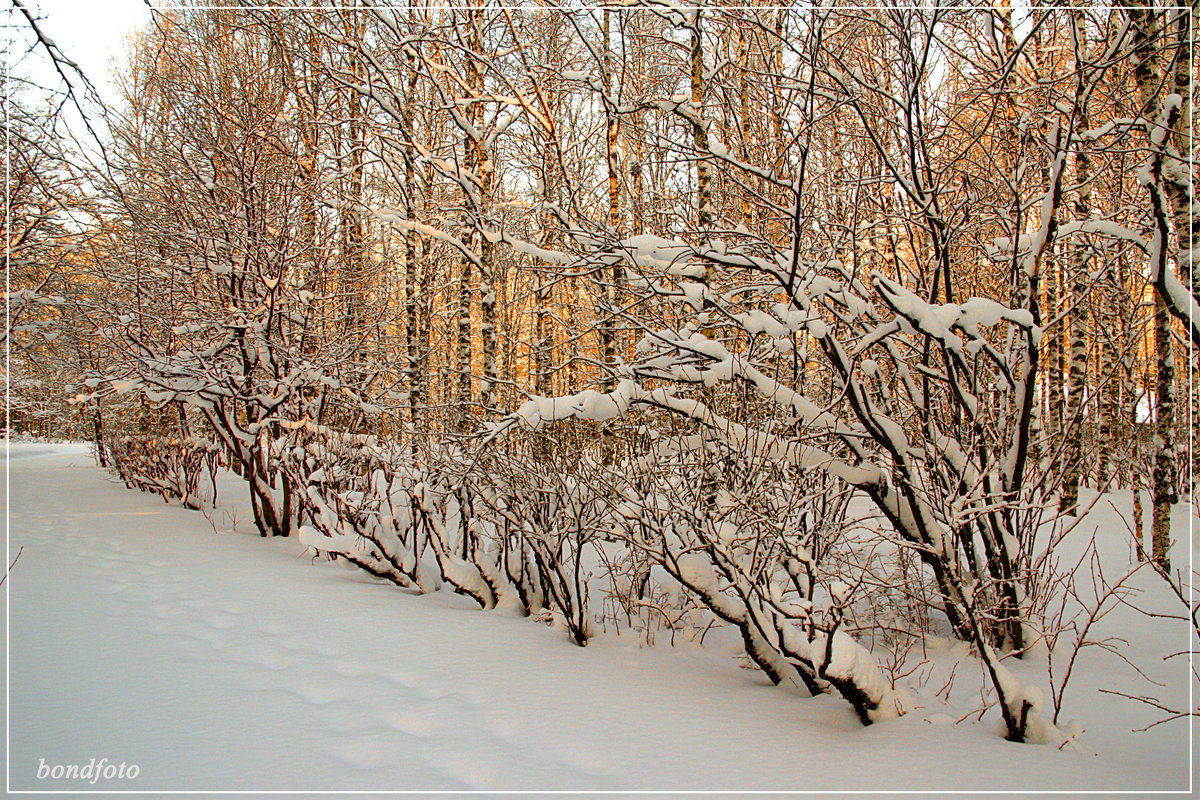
<point x="820" y="326"/>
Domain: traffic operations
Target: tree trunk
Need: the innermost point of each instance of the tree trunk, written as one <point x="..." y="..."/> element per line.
<point x="704" y="209"/>
<point x="611" y="291"/>
<point x="414" y="367"/>
<point x="1077" y="416"/>
<point x="1163" y="490"/>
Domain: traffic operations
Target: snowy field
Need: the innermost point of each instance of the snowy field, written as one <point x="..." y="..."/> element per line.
<point x="215" y="660"/>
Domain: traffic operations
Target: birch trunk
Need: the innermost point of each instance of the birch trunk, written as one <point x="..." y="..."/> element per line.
<point x="1077" y="415"/>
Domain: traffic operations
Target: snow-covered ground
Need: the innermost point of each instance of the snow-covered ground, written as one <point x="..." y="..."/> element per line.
<point x="216" y="660"/>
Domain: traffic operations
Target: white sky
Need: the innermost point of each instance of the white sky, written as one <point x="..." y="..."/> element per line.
<point x="91" y="32"/>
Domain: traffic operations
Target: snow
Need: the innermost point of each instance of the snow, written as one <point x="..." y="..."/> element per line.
<point x="588" y="404"/>
<point x="216" y="660"/>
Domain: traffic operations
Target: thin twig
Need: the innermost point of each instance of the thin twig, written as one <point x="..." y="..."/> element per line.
<point x="4" y="577"/>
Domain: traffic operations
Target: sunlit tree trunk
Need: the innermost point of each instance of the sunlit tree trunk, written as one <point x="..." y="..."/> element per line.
<point x="1077" y="416"/>
<point x="414" y="356"/>
<point x="1144" y="22"/>
<point x="612" y="281"/>
<point x="704" y="207"/>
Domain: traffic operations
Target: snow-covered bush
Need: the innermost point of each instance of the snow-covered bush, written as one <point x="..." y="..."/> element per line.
<point x="358" y="501"/>
<point x="540" y="529"/>
<point x="490" y="534"/>
<point x="752" y="539"/>
<point x="551" y="506"/>
<point x="177" y="469"/>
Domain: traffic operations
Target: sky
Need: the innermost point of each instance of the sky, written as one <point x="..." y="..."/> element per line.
<point x="91" y="32"/>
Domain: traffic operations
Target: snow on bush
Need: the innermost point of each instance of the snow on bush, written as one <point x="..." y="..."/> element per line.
<point x="177" y="469"/>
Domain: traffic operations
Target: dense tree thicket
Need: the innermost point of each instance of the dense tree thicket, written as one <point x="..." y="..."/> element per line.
<point x="810" y="321"/>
